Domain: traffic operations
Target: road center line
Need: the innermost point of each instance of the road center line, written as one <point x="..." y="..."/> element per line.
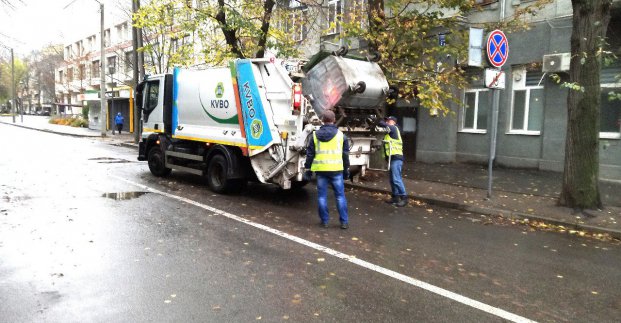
<point x="365" y="264"/>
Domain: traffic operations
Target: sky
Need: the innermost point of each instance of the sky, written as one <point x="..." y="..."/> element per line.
<point x="33" y="24"/>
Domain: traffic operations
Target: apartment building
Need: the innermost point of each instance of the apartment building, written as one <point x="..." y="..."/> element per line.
<point x="78" y="78"/>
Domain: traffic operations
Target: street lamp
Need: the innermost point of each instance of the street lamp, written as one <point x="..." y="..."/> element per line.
<point x="103" y="113"/>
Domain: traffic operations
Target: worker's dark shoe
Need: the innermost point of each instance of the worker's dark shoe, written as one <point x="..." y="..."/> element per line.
<point x="323" y="224"/>
<point x="344" y="226"/>
<point x="403" y="201"/>
<point x="392" y="200"/>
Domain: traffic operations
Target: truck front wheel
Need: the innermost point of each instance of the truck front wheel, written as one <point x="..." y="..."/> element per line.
<point x="157" y="166"/>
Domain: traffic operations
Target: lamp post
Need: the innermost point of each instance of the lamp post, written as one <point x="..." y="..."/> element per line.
<point x="103" y="116"/>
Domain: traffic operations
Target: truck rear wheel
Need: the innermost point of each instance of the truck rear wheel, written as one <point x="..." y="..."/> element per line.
<point x="217" y="176"/>
<point x="157" y="165"/>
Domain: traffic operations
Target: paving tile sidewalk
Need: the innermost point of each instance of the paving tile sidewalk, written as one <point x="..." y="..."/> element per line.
<point x="520" y="194"/>
<point x="535" y="204"/>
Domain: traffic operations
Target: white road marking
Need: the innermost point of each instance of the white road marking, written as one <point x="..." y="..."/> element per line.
<point x="365" y="264"/>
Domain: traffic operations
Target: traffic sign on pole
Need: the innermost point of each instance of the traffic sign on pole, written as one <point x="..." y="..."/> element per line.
<point x="497" y="48"/>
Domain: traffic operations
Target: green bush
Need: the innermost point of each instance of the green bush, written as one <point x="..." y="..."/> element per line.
<point x="79" y="122"/>
<point x="85" y="113"/>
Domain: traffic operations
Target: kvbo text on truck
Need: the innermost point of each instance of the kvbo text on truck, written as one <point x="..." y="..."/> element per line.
<point x="251" y="120"/>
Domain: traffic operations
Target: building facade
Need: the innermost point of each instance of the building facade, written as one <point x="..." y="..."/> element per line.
<point x="532" y="120"/>
<point x="78" y="78"/>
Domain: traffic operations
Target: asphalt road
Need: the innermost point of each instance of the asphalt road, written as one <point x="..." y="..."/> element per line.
<point x="87" y="234"/>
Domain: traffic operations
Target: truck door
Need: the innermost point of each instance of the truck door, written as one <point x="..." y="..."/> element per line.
<point x="152" y="108"/>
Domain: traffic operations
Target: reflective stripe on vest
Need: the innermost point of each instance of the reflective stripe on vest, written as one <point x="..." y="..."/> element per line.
<point x="397" y="144"/>
<point x="328" y="155"/>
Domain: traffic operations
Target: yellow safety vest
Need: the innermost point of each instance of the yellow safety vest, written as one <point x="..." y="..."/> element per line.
<point x="397" y="144"/>
<point x="328" y="155"/>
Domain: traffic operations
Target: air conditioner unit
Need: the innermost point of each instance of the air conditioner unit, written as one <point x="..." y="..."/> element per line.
<point x="556" y="62"/>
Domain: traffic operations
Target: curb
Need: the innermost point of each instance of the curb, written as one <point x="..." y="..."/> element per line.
<point x="49" y="131"/>
<point x="496" y="212"/>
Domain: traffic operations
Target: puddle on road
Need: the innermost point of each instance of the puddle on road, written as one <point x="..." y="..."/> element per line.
<point x="121" y="196"/>
<point x="109" y="160"/>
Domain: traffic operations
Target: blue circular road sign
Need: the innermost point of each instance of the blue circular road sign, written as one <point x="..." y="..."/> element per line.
<point x="497" y="48"/>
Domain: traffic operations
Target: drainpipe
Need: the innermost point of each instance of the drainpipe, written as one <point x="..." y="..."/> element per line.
<point x="502" y="10"/>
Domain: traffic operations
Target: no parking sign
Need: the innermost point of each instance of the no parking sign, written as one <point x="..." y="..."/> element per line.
<point x="497" y="48"/>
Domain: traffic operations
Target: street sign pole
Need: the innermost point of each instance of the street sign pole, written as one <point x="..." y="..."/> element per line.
<point x="492" y="139"/>
<point x="497" y="54"/>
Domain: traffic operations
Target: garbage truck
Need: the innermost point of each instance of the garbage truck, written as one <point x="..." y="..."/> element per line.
<point x="252" y="119"/>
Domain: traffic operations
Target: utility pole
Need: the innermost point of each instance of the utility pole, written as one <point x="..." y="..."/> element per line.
<point x="136" y="43"/>
<point x="103" y="113"/>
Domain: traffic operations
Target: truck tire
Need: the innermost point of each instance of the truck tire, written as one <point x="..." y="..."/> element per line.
<point x="156" y="162"/>
<point x="217" y="176"/>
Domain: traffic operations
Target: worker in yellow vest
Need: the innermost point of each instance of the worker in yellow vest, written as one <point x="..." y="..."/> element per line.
<point x="393" y="148"/>
<point x="327" y="155"/>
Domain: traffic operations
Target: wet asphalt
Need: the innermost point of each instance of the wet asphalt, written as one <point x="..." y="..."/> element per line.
<point x="78" y="243"/>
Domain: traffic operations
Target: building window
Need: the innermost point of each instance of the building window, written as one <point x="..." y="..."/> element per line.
<point x="91" y="43"/>
<point x="69" y="74"/>
<point x="61" y="78"/>
<point x="81" y="70"/>
<point x="297" y="26"/>
<point x="95" y="69"/>
<point x="474" y="110"/>
<point x="107" y="38"/>
<point x="610" y="108"/>
<point x="80" y="48"/>
<point x="358" y="13"/>
<point x="129" y="61"/>
<point x="111" y="61"/>
<point x="335" y="11"/>
<point x="526" y="102"/>
<point x="121" y="33"/>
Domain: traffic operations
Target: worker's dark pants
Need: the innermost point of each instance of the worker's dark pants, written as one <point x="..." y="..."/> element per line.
<point x="119" y="127"/>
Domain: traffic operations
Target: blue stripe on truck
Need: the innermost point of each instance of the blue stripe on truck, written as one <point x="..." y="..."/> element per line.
<point x="258" y="134"/>
<point x="175" y="114"/>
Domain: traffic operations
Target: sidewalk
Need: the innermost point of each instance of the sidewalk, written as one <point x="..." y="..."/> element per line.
<point x="518" y="194"/>
<point x="41" y="123"/>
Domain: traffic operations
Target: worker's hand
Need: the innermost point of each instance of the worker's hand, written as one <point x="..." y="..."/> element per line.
<point x="308" y="175"/>
<point x="345" y="174"/>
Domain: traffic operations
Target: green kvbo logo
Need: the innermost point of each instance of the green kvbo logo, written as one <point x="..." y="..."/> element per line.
<point x="219" y="90"/>
<point x="256" y="128"/>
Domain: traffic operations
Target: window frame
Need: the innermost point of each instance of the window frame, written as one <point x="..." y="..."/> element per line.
<point x="606" y="134"/>
<point x="518" y="87"/>
<point x="462" y="121"/>
<point x="337" y="16"/>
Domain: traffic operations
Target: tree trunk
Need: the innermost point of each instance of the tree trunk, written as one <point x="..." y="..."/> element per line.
<point x="581" y="173"/>
<point x="268" y="6"/>
<point x="230" y="35"/>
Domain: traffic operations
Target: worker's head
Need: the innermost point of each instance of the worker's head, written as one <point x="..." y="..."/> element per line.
<point x="118" y="114"/>
<point x="391" y="120"/>
<point x="328" y="116"/>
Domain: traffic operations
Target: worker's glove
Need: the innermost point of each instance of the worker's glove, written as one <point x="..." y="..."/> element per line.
<point x="308" y="175"/>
